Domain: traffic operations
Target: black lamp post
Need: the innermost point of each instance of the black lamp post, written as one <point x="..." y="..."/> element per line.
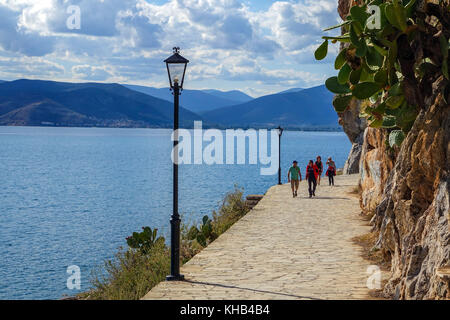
<point x="176" y="68"/>
<point x="280" y="133"/>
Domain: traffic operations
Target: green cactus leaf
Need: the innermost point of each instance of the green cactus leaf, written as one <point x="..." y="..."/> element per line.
<point x="353" y="36"/>
<point x="341" y="103"/>
<point x="344" y="74"/>
<point x="361" y="50"/>
<point x="389" y="122"/>
<point x="334" y="86"/>
<point x="322" y="51"/>
<point x="381" y="77"/>
<point x="396" y="138"/>
<point x="355" y="76"/>
<point x="359" y="14"/>
<point x="381" y="50"/>
<point x="374" y="59"/>
<point x="365" y="90"/>
<point x="201" y="239"/>
<point x="193" y="233"/>
<point x="400" y="14"/>
<point x="410" y="7"/>
<point x="396" y="89"/>
<point x="376" y="123"/>
<point x="340" y="59"/>
<point x="338" y="26"/>
<point x="395" y="102"/>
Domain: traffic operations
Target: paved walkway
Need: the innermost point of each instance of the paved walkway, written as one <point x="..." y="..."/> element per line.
<point x="284" y="248"/>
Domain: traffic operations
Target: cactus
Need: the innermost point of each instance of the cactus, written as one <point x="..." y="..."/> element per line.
<point x="202" y="234"/>
<point x="374" y="65"/>
<point x="144" y="240"/>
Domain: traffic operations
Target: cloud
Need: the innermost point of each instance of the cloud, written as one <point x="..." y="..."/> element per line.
<point x="91" y="73"/>
<point x="15" y="39"/>
<point x="225" y="40"/>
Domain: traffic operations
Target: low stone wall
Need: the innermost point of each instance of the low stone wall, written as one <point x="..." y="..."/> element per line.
<point x="252" y="200"/>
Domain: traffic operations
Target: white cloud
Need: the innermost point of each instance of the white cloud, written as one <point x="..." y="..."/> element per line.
<point x="128" y="39"/>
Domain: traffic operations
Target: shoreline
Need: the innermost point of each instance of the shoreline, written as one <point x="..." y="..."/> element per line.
<point x="205" y="126"/>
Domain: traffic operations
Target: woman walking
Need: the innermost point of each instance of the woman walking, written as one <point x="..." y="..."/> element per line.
<point x="312" y="172"/>
<point x="319" y="165"/>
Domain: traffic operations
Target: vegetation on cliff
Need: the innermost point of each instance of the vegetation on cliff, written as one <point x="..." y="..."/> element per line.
<point x="134" y="271"/>
<point x="390" y="66"/>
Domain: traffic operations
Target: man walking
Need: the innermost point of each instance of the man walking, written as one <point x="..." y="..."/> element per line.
<point x="312" y="172"/>
<point x="294" y="177"/>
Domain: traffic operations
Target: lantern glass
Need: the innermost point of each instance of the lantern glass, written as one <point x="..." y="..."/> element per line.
<point x="176" y="72"/>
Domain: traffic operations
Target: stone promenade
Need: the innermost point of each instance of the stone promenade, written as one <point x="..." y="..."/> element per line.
<point x="285" y="248"/>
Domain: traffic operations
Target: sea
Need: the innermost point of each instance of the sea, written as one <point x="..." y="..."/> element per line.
<point x="70" y="196"/>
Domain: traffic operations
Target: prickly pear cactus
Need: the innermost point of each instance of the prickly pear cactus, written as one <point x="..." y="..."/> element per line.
<point x="393" y="51"/>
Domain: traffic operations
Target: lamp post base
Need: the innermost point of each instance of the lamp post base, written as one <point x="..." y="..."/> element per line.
<point x="175" y="278"/>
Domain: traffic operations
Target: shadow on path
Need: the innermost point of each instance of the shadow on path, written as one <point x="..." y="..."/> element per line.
<point x="324" y="198"/>
<point x="249" y="289"/>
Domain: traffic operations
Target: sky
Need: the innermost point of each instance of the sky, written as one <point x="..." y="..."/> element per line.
<point x="256" y="46"/>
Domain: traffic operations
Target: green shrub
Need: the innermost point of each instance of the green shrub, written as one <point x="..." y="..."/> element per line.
<point x="232" y="209"/>
<point x="132" y="273"/>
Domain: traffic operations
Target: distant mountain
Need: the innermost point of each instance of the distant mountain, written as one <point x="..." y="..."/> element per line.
<point x="197" y="101"/>
<point x="291" y="90"/>
<point x="35" y="102"/>
<point x="234" y="95"/>
<point x="309" y="108"/>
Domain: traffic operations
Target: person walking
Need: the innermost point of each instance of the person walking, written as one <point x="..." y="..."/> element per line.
<point x="330" y="162"/>
<point x="319" y="165"/>
<point x="331" y="172"/>
<point x="294" y="177"/>
<point x="312" y="172"/>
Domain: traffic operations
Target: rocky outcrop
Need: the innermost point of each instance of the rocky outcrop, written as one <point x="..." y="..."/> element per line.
<point x="413" y="214"/>
<point x="406" y="191"/>
<point x="375" y="166"/>
<point x="354" y="127"/>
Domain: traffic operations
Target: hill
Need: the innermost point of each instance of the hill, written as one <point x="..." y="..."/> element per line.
<point x="197" y="101"/>
<point x="304" y="109"/>
<point x="36" y="102"/>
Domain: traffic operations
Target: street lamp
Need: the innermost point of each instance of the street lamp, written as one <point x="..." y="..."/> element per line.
<point x="280" y="133"/>
<point x="176" y="68"/>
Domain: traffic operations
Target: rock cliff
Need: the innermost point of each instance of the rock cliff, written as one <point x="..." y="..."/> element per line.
<point x="406" y="190"/>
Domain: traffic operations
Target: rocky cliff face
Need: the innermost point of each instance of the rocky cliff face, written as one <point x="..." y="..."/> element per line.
<point x="413" y="211"/>
<point x="354" y="127"/>
<point x="407" y="192"/>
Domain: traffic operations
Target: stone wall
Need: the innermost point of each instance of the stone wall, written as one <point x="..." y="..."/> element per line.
<point x="407" y="192"/>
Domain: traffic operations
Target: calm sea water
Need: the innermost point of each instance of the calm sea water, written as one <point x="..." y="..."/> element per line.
<point x="71" y="196"/>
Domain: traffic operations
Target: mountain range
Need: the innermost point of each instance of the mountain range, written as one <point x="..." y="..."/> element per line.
<point x="197" y="101"/>
<point x="307" y="108"/>
<point x="37" y="102"/>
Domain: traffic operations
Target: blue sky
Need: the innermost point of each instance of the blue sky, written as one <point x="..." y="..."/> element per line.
<point x="257" y="46"/>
